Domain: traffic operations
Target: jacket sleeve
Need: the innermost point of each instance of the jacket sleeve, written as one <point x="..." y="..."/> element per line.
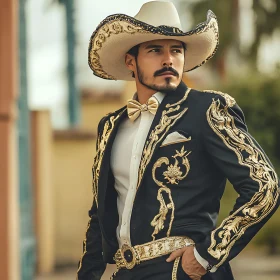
<point x="91" y="265"/>
<point x="240" y="158"/>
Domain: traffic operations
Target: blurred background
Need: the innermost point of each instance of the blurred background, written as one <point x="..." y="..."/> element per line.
<point x="50" y="105"/>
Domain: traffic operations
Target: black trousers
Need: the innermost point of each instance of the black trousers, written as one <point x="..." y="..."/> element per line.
<point x="159" y="269"/>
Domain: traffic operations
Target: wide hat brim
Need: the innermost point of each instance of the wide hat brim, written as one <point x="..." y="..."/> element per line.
<point x="117" y="34"/>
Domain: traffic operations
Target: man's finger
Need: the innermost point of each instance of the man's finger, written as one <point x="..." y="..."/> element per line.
<point x="175" y="254"/>
<point x="195" y="277"/>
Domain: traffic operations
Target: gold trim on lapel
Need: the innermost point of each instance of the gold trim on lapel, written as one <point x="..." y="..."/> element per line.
<point x="101" y="147"/>
<point x="157" y="134"/>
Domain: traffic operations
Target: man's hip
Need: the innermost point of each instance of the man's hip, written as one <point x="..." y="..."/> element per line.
<point x="148" y="261"/>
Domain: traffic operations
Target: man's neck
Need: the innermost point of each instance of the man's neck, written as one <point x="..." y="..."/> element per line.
<point x="144" y="93"/>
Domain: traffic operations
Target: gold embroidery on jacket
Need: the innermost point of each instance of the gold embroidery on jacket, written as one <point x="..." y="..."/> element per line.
<point x="101" y="144"/>
<point x="158" y="220"/>
<point x="84" y="247"/>
<point x="157" y="134"/>
<point x="261" y="204"/>
<point x="172" y="175"/>
<point x="175" y="268"/>
<point x="230" y="101"/>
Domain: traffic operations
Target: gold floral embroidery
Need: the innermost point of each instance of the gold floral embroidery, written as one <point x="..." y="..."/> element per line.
<point x="173" y="174"/>
<point x="101" y="145"/>
<point x="261" y="204"/>
<point x="158" y="133"/>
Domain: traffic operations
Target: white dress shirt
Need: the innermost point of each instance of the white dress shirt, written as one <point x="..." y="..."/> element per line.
<point x="125" y="159"/>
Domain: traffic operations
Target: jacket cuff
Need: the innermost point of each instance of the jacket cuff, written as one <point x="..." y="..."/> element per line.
<point x="204" y="262"/>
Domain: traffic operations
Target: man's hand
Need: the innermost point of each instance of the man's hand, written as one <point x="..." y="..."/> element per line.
<point x="189" y="263"/>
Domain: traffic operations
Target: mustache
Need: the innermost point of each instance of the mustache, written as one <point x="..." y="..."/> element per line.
<point x="165" y="69"/>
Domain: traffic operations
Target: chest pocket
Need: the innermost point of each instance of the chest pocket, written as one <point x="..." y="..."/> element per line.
<point x="176" y="137"/>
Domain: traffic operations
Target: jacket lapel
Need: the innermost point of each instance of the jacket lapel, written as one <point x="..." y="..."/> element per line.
<point x="169" y="112"/>
<point x="109" y="131"/>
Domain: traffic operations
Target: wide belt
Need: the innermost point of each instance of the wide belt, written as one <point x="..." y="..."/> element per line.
<point x="128" y="256"/>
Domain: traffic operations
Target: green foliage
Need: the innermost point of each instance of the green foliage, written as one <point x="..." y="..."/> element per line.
<point x="259" y="98"/>
<point x="225" y="12"/>
<point x="266" y="21"/>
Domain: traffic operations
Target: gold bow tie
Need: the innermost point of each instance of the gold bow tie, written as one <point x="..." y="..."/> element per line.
<point x="134" y="108"/>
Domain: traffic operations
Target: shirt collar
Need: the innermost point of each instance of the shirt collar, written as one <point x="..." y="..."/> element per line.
<point x="158" y="95"/>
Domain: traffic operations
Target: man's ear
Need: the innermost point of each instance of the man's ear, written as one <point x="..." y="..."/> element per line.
<point x="130" y="62"/>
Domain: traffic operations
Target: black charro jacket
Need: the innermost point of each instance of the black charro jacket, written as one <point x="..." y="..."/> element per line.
<point x="194" y="172"/>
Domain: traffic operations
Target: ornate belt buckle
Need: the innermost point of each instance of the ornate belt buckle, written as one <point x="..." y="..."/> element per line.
<point x="129" y="256"/>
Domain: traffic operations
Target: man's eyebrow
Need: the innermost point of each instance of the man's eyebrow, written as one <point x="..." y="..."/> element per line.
<point x="160" y="47"/>
<point x="177" y="46"/>
<point x="153" y="47"/>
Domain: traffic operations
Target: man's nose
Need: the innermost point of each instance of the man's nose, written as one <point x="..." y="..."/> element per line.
<point x="167" y="60"/>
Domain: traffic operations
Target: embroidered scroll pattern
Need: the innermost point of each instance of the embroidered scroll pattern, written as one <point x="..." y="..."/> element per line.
<point x="249" y="155"/>
<point x="230" y="101"/>
<point x="101" y="144"/>
<point x="173" y="175"/>
<point x="157" y="134"/>
<point x="84" y="247"/>
<point x="112" y="28"/>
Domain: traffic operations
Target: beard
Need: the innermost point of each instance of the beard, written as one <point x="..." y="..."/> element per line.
<point x="166" y="88"/>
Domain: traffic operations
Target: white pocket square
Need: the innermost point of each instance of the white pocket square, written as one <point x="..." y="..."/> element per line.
<point x="175" y="137"/>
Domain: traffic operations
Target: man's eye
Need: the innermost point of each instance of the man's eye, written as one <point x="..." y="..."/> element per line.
<point x="155" y="50"/>
<point x="177" y="51"/>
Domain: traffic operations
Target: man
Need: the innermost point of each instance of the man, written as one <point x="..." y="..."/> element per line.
<point x="162" y="160"/>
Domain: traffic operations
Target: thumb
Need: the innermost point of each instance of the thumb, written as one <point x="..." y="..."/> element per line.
<point x="175" y="254"/>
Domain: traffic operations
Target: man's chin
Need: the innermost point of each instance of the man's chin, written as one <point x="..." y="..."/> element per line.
<point x="164" y="87"/>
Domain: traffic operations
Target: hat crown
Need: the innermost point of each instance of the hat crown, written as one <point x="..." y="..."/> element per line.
<point x="158" y="13"/>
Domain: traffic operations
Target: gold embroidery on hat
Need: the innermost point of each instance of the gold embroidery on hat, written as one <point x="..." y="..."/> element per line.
<point x="248" y="154"/>
<point x="114" y="27"/>
<point x="120" y="23"/>
<point x="214" y="26"/>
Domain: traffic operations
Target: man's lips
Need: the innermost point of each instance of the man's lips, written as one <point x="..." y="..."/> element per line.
<point x="167" y="73"/>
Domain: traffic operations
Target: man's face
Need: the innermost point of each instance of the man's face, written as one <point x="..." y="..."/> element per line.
<point x="159" y="64"/>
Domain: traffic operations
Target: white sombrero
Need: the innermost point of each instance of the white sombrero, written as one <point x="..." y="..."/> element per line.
<point x="118" y="33"/>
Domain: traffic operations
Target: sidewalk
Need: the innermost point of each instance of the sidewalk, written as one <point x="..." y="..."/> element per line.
<point x="245" y="267"/>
